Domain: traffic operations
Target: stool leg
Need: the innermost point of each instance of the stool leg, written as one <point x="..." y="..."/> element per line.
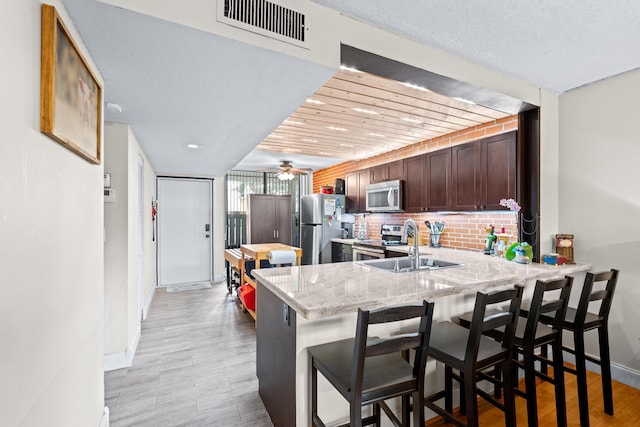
<point x="544" y="350"/>
<point x="530" y="386"/>
<point x="314" y="393"/>
<point x="581" y="373"/>
<point x="418" y="410"/>
<point x="509" y="382"/>
<point x="605" y="369"/>
<point x="448" y="389"/>
<point x="406" y="409"/>
<point x="471" y="399"/>
<point x="558" y="381"/>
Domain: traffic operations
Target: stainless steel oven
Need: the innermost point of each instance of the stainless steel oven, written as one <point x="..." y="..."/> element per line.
<point x="363" y="253"/>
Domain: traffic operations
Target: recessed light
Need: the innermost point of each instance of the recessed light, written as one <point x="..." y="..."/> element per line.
<point x="346" y="145"/>
<point x="379" y="135"/>
<point x="412" y="86"/>
<point x="362" y="110"/>
<point x="309" y="140"/>
<point x="324" y="153"/>
<point x="337" y="129"/>
<point x="314" y="101"/>
<point x="275" y="136"/>
<point x="292" y="122"/>
<point x="351" y="69"/>
<point x="407" y="119"/>
<point x="466" y="101"/>
<point x="193" y="146"/>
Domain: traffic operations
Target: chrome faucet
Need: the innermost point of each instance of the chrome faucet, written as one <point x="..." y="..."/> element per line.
<point x="411" y="224"/>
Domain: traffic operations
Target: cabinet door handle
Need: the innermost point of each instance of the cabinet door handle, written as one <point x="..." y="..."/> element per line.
<point x="274" y="233"/>
<point x="278" y="234"/>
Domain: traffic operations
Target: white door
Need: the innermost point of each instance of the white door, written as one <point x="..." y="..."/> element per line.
<point x="185" y="224"/>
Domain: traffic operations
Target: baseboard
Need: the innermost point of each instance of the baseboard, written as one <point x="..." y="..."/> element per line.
<point x="147" y="304"/>
<point x="113" y="361"/>
<point x="104" y="421"/>
<point x="619" y="372"/>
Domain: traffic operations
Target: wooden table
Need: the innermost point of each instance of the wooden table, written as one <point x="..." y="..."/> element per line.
<point x="259" y="252"/>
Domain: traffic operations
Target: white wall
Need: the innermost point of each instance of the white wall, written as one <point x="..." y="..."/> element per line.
<point x="219" y="227"/>
<point x="51" y="250"/>
<point x="599" y="195"/>
<point x="122" y="285"/>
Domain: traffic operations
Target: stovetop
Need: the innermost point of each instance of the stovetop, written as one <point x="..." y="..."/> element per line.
<point x="377" y="243"/>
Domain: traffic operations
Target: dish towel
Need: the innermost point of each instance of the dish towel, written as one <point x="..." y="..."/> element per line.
<point x="282" y="257"/>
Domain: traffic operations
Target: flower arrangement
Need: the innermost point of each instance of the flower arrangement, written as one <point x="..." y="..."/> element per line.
<point x="511" y="204"/>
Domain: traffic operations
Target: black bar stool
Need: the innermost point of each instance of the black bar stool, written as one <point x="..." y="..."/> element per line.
<point x="597" y="287"/>
<point x="531" y="335"/>
<point x="468" y="351"/>
<point x="369" y="370"/>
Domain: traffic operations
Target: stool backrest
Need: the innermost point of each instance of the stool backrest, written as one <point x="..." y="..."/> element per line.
<point x="418" y="340"/>
<point x="540" y="305"/>
<point x="589" y="294"/>
<point x="480" y="323"/>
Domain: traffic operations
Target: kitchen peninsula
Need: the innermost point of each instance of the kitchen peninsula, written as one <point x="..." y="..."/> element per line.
<point x="309" y="305"/>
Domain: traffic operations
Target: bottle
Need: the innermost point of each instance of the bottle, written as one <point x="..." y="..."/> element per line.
<point x="491" y="238"/>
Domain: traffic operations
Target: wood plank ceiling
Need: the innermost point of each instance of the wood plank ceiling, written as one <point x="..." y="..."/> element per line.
<point x="356" y="115"/>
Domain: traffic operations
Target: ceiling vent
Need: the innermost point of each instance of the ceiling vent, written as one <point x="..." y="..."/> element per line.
<point x="266" y="18"/>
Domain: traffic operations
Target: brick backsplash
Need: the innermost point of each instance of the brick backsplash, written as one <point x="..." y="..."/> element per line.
<point x="462" y="231"/>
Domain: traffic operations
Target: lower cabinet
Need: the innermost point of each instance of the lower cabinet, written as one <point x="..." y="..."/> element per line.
<point x="341" y="252"/>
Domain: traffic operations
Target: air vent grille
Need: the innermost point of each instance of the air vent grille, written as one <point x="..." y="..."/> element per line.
<point x="267" y="18"/>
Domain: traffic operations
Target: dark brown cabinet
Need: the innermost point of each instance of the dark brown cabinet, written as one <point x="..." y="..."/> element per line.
<point x="414" y="176"/>
<point x="386" y="172"/>
<point x="438" y="180"/>
<point x="341" y="252"/>
<point x="483" y="172"/>
<point x="269" y="219"/>
<point x="356" y="190"/>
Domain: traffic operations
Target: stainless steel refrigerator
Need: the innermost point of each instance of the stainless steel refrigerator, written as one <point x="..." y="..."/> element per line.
<point x="320" y="219"/>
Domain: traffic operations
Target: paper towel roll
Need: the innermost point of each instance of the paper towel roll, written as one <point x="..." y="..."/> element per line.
<point x="282" y="257"/>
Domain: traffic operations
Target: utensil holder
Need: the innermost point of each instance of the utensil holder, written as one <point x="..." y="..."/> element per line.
<point x="434" y="240"/>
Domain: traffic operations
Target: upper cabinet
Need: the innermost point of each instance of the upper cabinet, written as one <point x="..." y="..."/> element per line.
<point x="356" y="190"/>
<point x="438" y="180"/>
<point x="386" y="172"/>
<point x="483" y="172"/>
<point x="414" y="179"/>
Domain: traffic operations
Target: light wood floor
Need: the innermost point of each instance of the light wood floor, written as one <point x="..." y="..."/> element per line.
<point x="195" y="366"/>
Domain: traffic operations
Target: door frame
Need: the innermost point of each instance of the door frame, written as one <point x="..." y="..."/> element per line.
<point x="211" y="240"/>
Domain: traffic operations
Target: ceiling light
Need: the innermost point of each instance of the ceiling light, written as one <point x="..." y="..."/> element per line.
<point x="407" y="119"/>
<point x="362" y="110"/>
<point x="351" y="69"/>
<point x="276" y="136"/>
<point x="379" y="135"/>
<point x="346" y="145"/>
<point x="292" y="150"/>
<point x="324" y="153"/>
<point x="337" y="129"/>
<point x="309" y="140"/>
<point x="193" y="146"/>
<point x="412" y="86"/>
<point x="286" y="176"/>
<point x="292" y="122"/>
<point x="314" y="101"/>
<point x="466" y="101"/>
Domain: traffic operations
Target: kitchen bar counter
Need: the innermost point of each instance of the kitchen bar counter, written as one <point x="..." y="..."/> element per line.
<point x="313" y="304"/>
<point x="319" y="291"/>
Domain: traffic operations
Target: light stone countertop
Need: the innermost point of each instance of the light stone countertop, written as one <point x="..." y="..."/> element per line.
<point x="324" y="290"/>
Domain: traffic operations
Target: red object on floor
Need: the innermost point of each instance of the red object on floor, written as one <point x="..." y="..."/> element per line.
<point x="248" y="296"/>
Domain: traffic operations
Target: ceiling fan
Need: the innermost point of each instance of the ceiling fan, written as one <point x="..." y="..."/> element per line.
<point x="286" y="170"/>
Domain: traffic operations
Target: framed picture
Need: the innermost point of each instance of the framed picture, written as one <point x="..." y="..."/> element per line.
<point x="70" y="93"/>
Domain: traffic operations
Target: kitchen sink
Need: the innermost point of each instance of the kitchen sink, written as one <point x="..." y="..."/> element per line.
<point x="407" y="264"/>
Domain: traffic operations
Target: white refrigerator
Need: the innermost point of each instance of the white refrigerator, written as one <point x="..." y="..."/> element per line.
<point x="320" y="219"/>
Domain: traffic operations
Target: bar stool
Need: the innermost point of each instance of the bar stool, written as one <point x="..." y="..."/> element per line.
<point x="468" y="351"/>
<point x="597" y="287"/>
<point x="369" y="370"/>
<point x="531" y="335"/>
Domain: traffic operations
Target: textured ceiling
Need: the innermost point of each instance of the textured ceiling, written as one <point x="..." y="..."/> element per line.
<point x="178" y="85"/>
<point x="556" y="45"/>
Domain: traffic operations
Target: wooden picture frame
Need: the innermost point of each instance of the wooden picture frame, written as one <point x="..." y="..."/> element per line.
<point x="70" y="93"/>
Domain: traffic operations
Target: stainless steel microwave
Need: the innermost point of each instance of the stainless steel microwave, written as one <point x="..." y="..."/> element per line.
<point x="384" y="196"/>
